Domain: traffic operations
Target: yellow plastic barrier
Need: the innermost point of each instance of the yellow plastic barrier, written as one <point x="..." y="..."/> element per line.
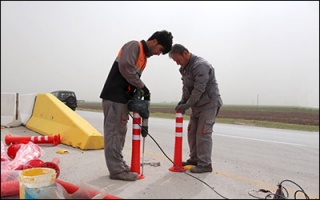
<point x="51" y="116"/>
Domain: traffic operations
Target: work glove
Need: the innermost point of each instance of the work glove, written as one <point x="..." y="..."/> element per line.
<point x="145" y="93"/>
<point x="182" y="107"/>
<point x="180" y="102"/>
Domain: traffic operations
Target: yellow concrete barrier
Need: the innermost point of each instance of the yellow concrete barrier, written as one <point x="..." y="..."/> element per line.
<point x="51" y="116"/>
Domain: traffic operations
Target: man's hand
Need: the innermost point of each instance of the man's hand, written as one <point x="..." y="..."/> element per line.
<point x="180" y="102"/>
<point x="145" y="93"/>
<point x="182" y="107"/>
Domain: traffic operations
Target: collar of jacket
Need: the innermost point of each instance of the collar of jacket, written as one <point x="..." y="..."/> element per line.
<point x="146" y="48"/>
<point x="191" y="61"/>
<point x="183" y="70"/>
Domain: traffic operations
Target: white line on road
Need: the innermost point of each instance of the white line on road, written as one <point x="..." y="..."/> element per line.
<point x="246" y="138"/>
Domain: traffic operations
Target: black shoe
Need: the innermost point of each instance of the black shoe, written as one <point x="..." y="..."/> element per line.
<point x="188" y="162"/>
<point x="201" y="169"/>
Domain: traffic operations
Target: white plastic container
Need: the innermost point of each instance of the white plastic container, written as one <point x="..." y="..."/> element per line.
<point x="35" y="180"/>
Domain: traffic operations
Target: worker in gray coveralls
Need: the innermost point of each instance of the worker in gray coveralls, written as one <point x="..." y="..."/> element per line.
<point x="200" y="92"/>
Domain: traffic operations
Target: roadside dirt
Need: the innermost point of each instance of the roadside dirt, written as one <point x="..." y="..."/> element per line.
<point x="281" y="117"/>
<point x="301" y="118"/>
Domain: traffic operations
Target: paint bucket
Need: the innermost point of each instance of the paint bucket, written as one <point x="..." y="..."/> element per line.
<point x="34" y="181"/>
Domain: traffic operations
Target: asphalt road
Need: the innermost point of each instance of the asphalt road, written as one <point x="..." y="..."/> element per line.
<point x="245" y="159"/>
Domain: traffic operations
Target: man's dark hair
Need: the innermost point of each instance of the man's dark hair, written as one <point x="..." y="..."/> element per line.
<point x="164" y="38"/>
<point x="178" y="49"/>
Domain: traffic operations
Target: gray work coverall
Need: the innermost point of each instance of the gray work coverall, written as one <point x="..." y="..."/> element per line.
<point x="115" y="97"/>
<point x="200" y="91"/>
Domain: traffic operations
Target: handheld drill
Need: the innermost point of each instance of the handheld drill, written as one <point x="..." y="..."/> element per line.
<point x="136" y="104"/>
<point x="144" y="131"/>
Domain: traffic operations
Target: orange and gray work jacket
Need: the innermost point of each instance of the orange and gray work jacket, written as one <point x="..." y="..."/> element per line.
<point x="125" y="73"/>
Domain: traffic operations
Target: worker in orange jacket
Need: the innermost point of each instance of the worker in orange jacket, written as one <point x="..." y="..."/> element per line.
<point x="123" y="80"/>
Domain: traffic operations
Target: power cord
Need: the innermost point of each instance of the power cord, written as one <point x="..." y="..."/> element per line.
<point x="212" y="188"/>
<point x="279" y="194"/>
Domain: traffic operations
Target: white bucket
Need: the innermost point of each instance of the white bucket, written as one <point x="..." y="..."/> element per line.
<point x="34" y="180"/>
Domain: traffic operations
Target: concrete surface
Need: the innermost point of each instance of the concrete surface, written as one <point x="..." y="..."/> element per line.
<point x="242" y="164"/>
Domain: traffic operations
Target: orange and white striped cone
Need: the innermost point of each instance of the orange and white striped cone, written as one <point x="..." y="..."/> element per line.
<point x="136" y="135"/>
<point x="177" y="167"/>
<point x="55" y="139"/>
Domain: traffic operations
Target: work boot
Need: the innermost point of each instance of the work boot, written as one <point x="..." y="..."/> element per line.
<point x="189" y="162"/>
<point x="201" y="169"/>
<point x="127" y="168"/>
<point x="125" y="176"/>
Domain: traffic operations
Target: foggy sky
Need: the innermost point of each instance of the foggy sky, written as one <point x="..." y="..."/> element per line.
<point x="264" y="53"/>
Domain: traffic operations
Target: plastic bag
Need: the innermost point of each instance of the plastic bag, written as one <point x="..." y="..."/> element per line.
<point x="26" y="153"/>
<point x="87" y="191"/>
<point x="9" y="182"/>
<point x="84" y="191"/>
<point x="4" y="156"/>
<point x="53" y="192"/>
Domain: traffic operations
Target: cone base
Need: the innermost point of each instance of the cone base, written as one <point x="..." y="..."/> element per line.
<point x="140" y="176"/>
<point x="175" y="169"/>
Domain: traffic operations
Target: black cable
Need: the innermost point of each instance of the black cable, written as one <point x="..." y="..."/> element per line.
<point x="279" y="194"/>
<point x="175" y="164"/>
<point x="301" y="190"/>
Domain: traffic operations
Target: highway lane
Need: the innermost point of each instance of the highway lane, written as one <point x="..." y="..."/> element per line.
<point x="290" y="137"/>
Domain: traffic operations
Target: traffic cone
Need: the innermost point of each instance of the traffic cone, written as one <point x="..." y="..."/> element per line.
<point x="71" y="188"/>
<point x="9" y="182"/>
<point x="136" y="135"/>
<point x="53" y="165"/>
<point x="9" y="188"/>
<point x="33" y="163"/>
<point x="177" y="167"/>
<point x="39" y="163"/>
<point x="12" y="150"/>
<point x="55" y="139"/>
